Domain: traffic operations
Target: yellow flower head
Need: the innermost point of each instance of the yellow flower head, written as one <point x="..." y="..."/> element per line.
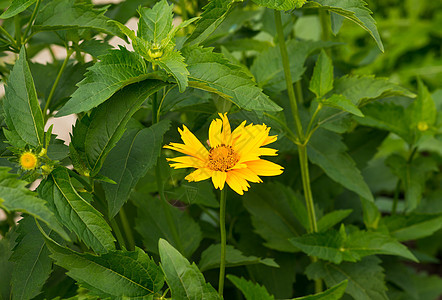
<point x="234" y="157"/>
<point x="28" y="161"/>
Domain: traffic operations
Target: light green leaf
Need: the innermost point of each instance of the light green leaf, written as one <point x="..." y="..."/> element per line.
<point x="152" y="225"/>
<point x="337" y="246"/>
<point x="421" y="114"/>
<point x="173" y="63"/>
<point x="275" y="215"/>
<point x="322" y="79"/>
<point x="32" y="264"/>
<point x="412" y="227"/>
<point x="334" y="293"/>
<point x="365" y="278"/>
<point x="14" y="196"/>
<point x="156" y="22"/>
<point x="331" y="219"/>
<point x="67" y="14"/>
<point x="117" y="274"/>
<point x="371" y="214"/>
<point x="211" y="258"/>
<point x="184" y="279"/>
<point x="250" y="290"/>
<point x="76" y="213"/>
<point x="22" y="109"/>
<point x="281" y="4"/>
<point x="327" y="150"/>
<point x="110" y="118"/>
<point x="17" y="6"/>
<point x="131" y="158"/>
<point x="115" y="70"/>
<point x="342" y="103"/>
<point x="217" y="72"/>
<point x="354" y="10"/>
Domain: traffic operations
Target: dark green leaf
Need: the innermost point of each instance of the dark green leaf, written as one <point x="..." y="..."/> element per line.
<point x="414" y="226"/>
<point x="155" y="23"/>
<point x="250" y="290"/>
<point x="342" y="103"/>
<point x="6" y="269"/>
<point x="281" y="4"/>
<point x="173" y="63"/>
<point x="17" y="6"/>
<point x="131" y="158"/>
<point x="198" y="193"/>
<point x="21" y="106"/>
<point x="184" y="279"/>
<point x="322" y="79"/>
<point x="76" y="213"/>
<point x="334" y="293"/>
<point x="331" y="219"/>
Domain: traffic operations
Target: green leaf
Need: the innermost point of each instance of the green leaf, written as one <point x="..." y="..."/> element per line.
<point x="214" y="14"/>
<point x="76" y="213"/>
<point x="250" y="290"/>
<point x="337" y="246"/>
<point x="281" y="4"/>
<point x="211" y="258"/>
<point x="365" y="278"/>
<point x="274" y="211"/>
<point x="184" y="279"/>
<point x="152" y="225"/>
<point x="6" y="269"/>
<point x="322" y="79"/>
<point x="342" y="103"/>
<point x="331" y="219"/>
<point x="334" y="293"/>
<point x="197" y="193"/>
<point x="17" y="6"/>
<point x="268" y="69"/>
<point x="110" y="118"/>
<point x="156" y="22"/>
<point x="327" y="150"/>
<point x="22" y="109"/>
<point x="135" y="154"/>
<point x="173" y="63"/>
<point x="413" y="226"/>
<point x="66" y="14"/>
<point x="117" y="274"/>
<point x="32" y="262"/>
<point x="217" y="72"/>
<point x="421" y="114"/>
<point x="354" y="10"/>
<point x="115" y="70"/>
<point x="14" y="196"/>
<point x="371" y="214"/>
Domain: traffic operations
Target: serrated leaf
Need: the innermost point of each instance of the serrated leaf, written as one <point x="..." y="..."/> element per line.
<point x="412" y="227"/>
<point x="184" y="279"/>
<point x="365" y="278"/>
<point x="334" y="293"/>
<point x="211" y="258"/>
<point x="110" y="118"/>
<point x="342" y="103"/>
<point x="32" y="262"/>
<point x="354" y="10"/>
<point x="173" y="63"/>
<point x="66" y="14"/>
<point x="217" y="72"/>
<point x="15" y="197"/>
<point x="156" y="22"/>
<point x="274" y="215"/>
<point x="331" y="219"/>
<point x="250" y="290"/>
<point x="281" y="4"/>
<point x="336" y="246"/>
<point x="17" y="6"/>
<point x="22" y="109"/>
<point x="116" y="70"/>
<point x="75" y="213"/>
<point x="117" y="274"/>
<point x="327" y="150"/>
<point x="131" y="158"/>
<point x="152" y="225"/>
<point x="268" y="69"/>
<point x="322" y="79"/>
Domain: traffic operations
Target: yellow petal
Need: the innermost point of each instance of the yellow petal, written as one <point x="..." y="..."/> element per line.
<point x="215" y="133"/>
<point x="192" y="143"/>
<point x="199" y="174"/>
<point x="267" y="151"/>
<point x="264" y="167"/>
<point x="187" y="162"/>
<point x="247" y="174"/>
<point x="237" y="183"/>
<point x="219" y="179"/>
<point x="226" y="134"/>
<point x="270" y="139"/>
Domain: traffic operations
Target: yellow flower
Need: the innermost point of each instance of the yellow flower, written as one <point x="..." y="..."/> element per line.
<point x="28" y="161"/>
<point x="234" y="157"/>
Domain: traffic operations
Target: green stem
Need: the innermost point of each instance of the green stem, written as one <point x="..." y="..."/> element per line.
<point x="310" y="124"/>
<point x="54" y="86"/>
<point x="31" y="20"/>
<point x="396" y="196"/>
<point x="127" y="230"/>
<point x="303" y="160"/>
<point x="299" y="95"/>
<point x="222" y="226"/>
<point x="117" y="232"/>
<point x="11" y="39"/>
<point x="17" y="30"/>
<point x="324" y="17"/>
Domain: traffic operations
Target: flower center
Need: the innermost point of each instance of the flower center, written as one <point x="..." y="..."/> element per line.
<point x="222" y="158"/>
<point x="28" y="161"/>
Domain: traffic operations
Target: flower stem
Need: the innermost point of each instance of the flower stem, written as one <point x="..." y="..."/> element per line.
<point x="31" y="20"/>
<point x="303" y="160"/>
<point x="324" y="19"/>
<point x="116" y="229"/>
<point x="127" y="230"/>
<point x="222" y="226"/>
